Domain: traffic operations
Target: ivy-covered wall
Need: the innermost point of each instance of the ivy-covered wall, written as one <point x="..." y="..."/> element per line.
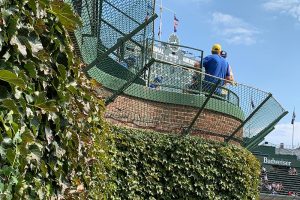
<point x="157" y="166"/>
<point x="53" y="140"/>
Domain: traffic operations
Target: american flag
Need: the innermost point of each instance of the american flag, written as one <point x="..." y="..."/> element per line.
<point x="159" y="31"/>
<point x="176" y="21"/>
<point x="252" y="104"/>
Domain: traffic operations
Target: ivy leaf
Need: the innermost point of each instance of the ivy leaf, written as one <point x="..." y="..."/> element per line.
<point x="62" y="71"/>
<point x="32" y="5"/>
<point x="9" y="104"/>
<point x="1" y="187"/>
<point x="65" y="15"/>
<point x="12" y="78"/>
<point x="31" y="69"/>
<point x="10" y="155"/>
<point x="36" y="46"/>
<point x="2" y="152"/>
<point x="22" y="48"/>
<point x="47" y="106"/>
<point x="1" y="41"/>
<point x="6" y="170"/>
<point x="12" y="23"/>
<point x="44" y="168"/>
<point x="35" y="152"/>
<point x="27" y="137"/>
<point x="40" y="26"/>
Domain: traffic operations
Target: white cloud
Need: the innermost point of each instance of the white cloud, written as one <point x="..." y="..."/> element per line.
<point x="234" y="30"/>
<point x="283" y="134"/>
<point x="289" y="7"/>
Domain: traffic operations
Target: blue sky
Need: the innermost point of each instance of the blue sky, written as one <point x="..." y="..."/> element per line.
<point x="262" y="39"/>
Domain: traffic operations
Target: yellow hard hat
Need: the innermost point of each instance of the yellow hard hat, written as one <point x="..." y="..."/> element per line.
<point x="216" y="47"/>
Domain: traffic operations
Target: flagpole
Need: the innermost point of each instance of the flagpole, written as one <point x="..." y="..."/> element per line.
<point x="293" y="136"/>
<point x="160" y="20"/>
<point x="252" y="108"/>
<point x="293" y="122"/>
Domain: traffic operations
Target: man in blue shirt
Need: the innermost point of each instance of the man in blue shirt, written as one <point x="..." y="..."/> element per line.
<point x="215" y="67"/>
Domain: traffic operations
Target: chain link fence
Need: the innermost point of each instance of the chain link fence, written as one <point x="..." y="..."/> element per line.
<point x="162" y="76"/>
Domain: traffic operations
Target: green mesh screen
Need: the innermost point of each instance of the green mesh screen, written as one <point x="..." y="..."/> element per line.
<point x="168" y="93"/>
<point x="106" y="22"/>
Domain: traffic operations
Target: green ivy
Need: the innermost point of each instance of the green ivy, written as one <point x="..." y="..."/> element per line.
<point x="159" y="166"/>
<point x="53" y="140"/>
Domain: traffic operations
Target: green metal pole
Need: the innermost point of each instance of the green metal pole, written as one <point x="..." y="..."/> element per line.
<point x="128" y="83"/>
<point x="122" y="40"/>
<point x="186" y="131"/>
<point x="95" y="17"/>
<point x="248" y="118"/>
<point x="258" y="138"/>
<point x="99" y="42"/>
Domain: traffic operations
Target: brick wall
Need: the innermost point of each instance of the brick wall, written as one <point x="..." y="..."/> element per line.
<point x="138" y="113"/>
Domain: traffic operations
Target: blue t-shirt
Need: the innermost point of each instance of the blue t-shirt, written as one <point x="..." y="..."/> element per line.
<point x="217" y="66"/>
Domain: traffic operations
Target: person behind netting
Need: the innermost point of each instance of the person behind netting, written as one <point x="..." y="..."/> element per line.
<point x="215" y="67"/>
<point x="195" y="81"/>
<point x="155" y="84"/>
<point x="224" y="55"/>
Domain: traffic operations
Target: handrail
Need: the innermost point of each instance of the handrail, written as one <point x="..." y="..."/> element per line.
<point x="185" y="90"/>
<point x="201" y="74"/>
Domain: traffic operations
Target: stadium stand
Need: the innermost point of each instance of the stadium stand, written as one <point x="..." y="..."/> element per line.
<point x="279" y="177"/>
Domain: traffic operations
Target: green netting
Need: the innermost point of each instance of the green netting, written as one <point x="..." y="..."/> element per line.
<point x="236" y="109"/>
<point x="106" y="22"/>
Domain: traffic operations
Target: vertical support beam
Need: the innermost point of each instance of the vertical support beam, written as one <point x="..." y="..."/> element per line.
<point x="99" y="27"/>
<point x="259" y="137"/>
<point x="148" y="76"/>
<point x="122" y="40"/>
<point x="187" y="131"/>
<point x="95" y="17"/>
<point x="248" y="118"/>
<point x="78" y="6"/>
<point x="201" y="72"/>
<point x="128" y="83"/>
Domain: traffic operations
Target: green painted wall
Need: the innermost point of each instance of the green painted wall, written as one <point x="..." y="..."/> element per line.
<point x="269" y="152"/>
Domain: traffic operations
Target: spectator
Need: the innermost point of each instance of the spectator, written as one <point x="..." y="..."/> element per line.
<point x="279" y="186"/>
<point x="156" y="82"/>
<point x="266" y="177"/>
<point x="292" y="171"/>
<point x="196" y="80"/>
<point x="269" y="187"/>
<point x="215" y="66"/>
<point x="130" y="61"/>
<point x="224" y="55"/>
